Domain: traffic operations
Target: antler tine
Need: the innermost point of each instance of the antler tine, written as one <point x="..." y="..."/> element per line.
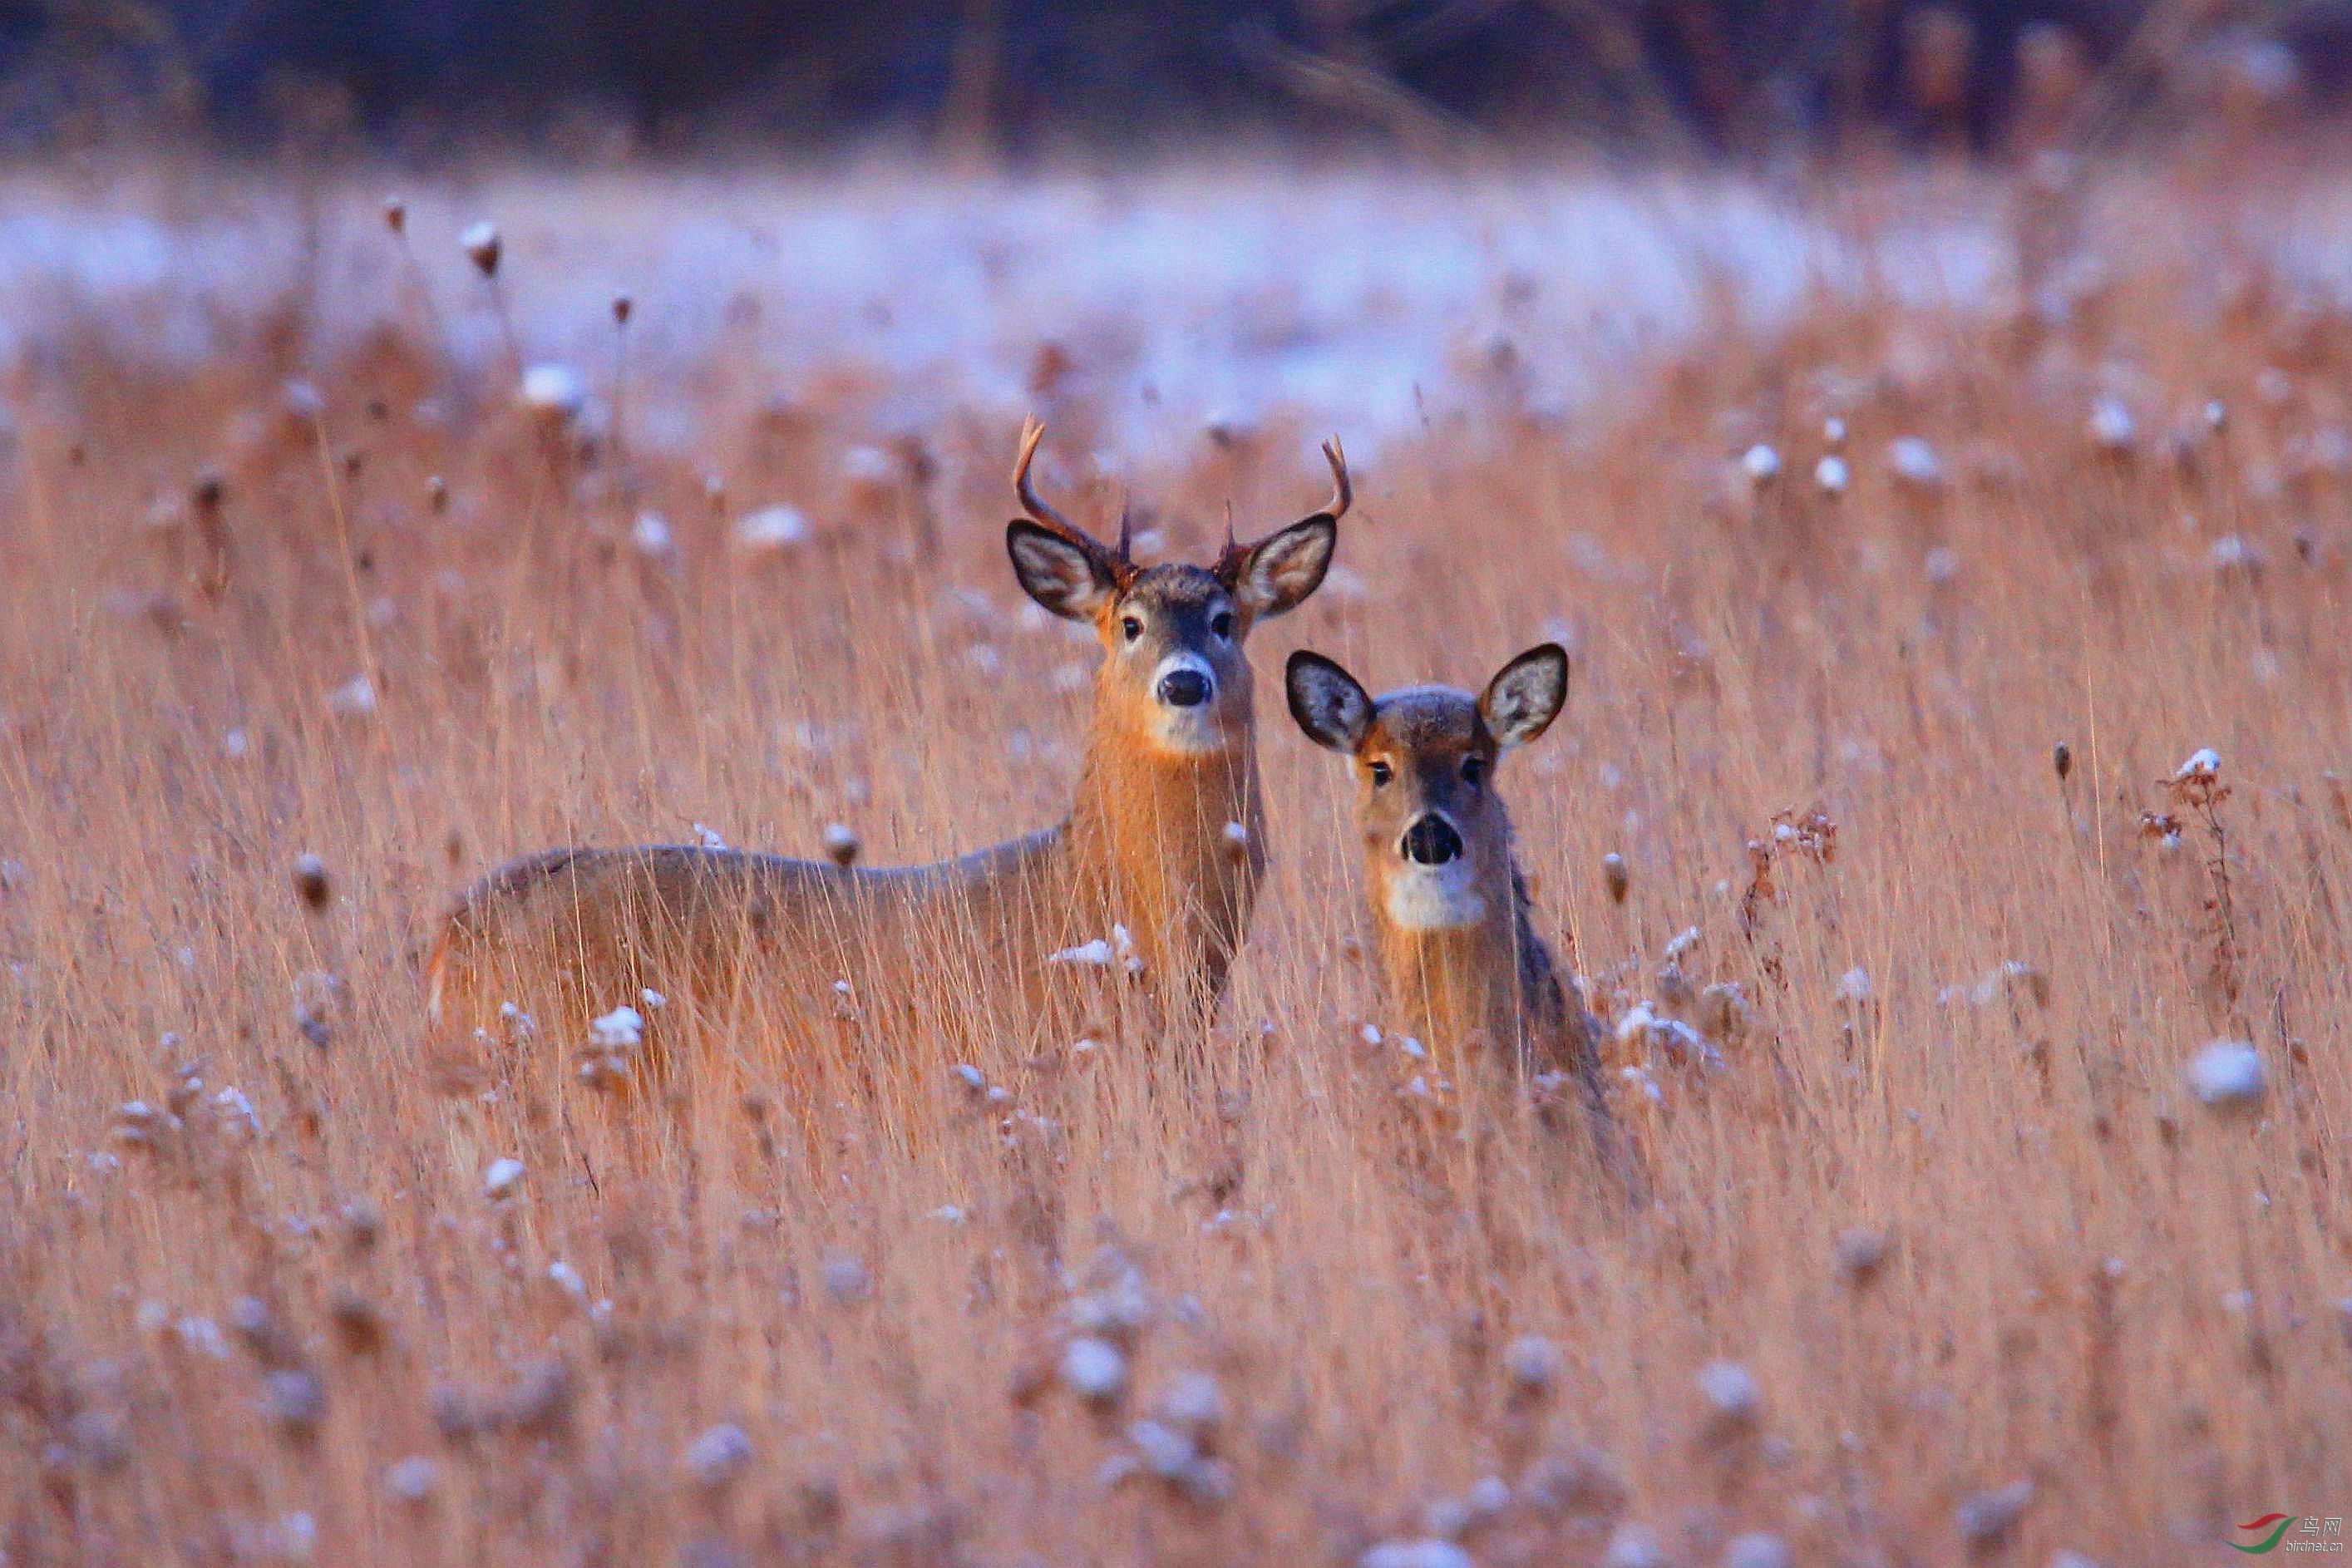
<point x="1342" y="492"/>
<point x="1126" y="531"/>
<point x="1230" y="545"/>
<point x="1032" y="432"/>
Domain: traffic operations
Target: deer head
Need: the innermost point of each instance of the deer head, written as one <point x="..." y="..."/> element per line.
<point x="1171" y="634"/>
<point x="1437" y="840"/>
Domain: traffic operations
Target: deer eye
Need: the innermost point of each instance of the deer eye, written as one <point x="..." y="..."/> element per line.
<point x="1473" y="769"/>
<point x="1380" y="774"/>
<point x="1221" y="622"/>
<point x="1132" y="627"/>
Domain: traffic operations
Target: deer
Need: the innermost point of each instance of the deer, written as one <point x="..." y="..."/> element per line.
<point x="1459" y="958"/>
<point x="1154" y="872"/>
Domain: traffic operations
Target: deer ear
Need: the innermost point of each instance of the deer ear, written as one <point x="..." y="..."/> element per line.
<point x="1526" y="696"/>
<point x="1327" y="701"/>
<point x="1281" y="570"/>
<point x="1063" y="576"/>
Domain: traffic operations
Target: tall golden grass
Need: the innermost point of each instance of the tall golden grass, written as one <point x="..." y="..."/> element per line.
<point x="1946" y="1260"/>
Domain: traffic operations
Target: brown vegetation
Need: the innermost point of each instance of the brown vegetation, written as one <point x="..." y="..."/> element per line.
<point x="1954" y="1246"/>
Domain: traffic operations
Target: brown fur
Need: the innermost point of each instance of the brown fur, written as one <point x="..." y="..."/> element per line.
<point x="1481" y="993"/>
<point x="1146" y="846"/>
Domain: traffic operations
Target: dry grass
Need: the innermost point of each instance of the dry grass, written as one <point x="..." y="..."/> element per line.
<point x="1966" y="1226"/>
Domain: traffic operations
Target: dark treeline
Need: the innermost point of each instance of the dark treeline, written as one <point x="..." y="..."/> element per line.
<point x="1018" y="75"/>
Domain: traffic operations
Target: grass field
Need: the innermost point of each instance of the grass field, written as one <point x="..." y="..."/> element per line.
<point x="1950" y="1259"/>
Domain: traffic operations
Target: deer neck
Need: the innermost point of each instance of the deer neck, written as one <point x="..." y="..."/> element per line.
<point x="1457" y="989"/>
<point x="1153" y="844"/>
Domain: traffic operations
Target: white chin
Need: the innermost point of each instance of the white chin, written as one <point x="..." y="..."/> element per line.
<point x="1187" y="732"/>
<point x="1434" y="897"/>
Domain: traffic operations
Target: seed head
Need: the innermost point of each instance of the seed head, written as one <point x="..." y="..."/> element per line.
<point x="311" y="881"/>
<point x="1861" y="1254"/>
<point x="1430" y="1552"/>
<point x="841" y="845"/>
<point x="1831" y="476"/>
<point x="1732" y="1398"/>
<point x="622" y="1029"/>
<point x="359" y="1326"/>
<point x="297" y="1402"/>
<point x="2228" y="1075"/>
<point x="396" y="215"/>
<point x="1761" y="464"/>
<point x="2112" y="427"/>
<point x="1757" y="1549"/>
<point x="1165" y="1451"/>
<point x="552" y="392"/>
<point x="503" y="1178"/>
<point x="411" y="1480"/>
<point x="622" y="307"/>
<point x="1532" y="1362"/>
<point x="847" y="1279"/>
<point x="1915" y="463"/>
<point x="1195" y="1404"/>
<point x="1986" y="1518"/>
<point x="355" y="699"/>
<point x="651" y="538"/>
<point x="482" y="247"/>
<point x="1633" y="1546"/>
<point x="717" y="1456"/>
<point x="2062" y="758"/>
<point x="1615" y="878"/>
<point x="770" y="531"/>
<point x="1095" y="1369"/>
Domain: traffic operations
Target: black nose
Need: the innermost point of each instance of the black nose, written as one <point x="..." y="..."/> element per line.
<point x="1184" y="688"/>
<point x="1431" y="841"/>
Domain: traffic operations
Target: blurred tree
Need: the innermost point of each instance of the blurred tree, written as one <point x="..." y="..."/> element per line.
<point x="992" y="78"/>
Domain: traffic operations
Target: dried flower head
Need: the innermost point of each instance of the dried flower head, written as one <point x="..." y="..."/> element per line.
<point x="311" y="884"/>
<point x="1757" y="1549"/>
<point x="411" y="1480"/>
<point x="1532" y="1362"/>
<point x="1735" y="1401"/>
<point x="1986" y="1518"/>
<point x="713" y="1460"/>
<point x="1428" y="1552"/>
<point x="552" y="392"/>
<point x="1095" y="1369"/>
<point x="503" y="1178"/>
<point x="2228" y="1075"/>
<point x="482" y="245"/>
<point x="1861" y="1254"/>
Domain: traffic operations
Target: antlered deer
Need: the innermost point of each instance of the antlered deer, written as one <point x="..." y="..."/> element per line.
<point x="1459" y="955"/>
<point x="1164" y="843"/>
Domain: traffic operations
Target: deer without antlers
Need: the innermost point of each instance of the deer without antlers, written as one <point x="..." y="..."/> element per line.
<point x="1164" y="842"/>
<point x="1460" y="959"/>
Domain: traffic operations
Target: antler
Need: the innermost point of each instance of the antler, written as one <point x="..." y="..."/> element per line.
<point x="1032" y="432"/>
<point x="1120" y="565"/>
<point x="1231" y="559"/>
<point x="1342" y="492"/>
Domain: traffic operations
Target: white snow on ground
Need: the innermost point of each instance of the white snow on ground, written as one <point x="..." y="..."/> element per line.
<point x="1349" y="299"/>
